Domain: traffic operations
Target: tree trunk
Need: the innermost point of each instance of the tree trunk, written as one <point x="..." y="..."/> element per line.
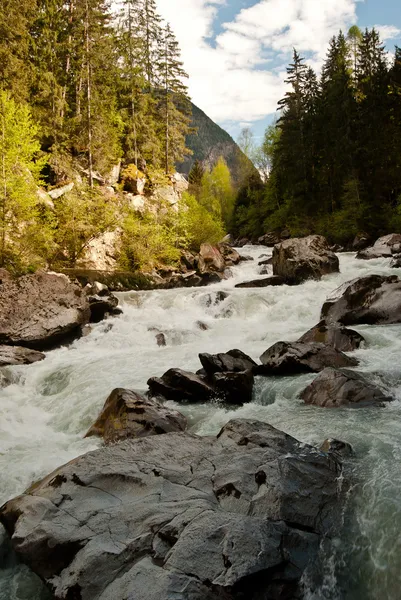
<point x="88" y="95"/>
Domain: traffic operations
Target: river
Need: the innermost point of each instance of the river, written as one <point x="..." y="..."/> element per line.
<point x="45" y="413"/>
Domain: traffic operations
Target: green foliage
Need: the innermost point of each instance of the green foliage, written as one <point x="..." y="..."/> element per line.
<point x="22" y="229"/>
<point x="216" y="193"/>
<point x="82" y="215"/>
<point x="147" y="243"/>
<point x="197" y="225"/>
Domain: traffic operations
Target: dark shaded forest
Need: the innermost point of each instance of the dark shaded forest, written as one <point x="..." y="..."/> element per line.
<point x="334" y="152"/>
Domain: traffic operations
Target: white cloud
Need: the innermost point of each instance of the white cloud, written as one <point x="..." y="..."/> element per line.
<point x="238" y="75"/>
<point x="388" y="32"/>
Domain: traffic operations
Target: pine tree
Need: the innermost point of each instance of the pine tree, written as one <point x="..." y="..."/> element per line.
<point x="15" y="21"/>
<point x="175" y="104"/>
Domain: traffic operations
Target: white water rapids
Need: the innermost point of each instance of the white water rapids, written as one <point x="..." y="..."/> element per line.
<point x="46" y="412"/>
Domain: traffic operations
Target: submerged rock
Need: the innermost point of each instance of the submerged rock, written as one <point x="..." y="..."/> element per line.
<point x="176" y="515"/>
<point x="41" y="311"/>
<point x="233" y="360"/>
<point x="290" y="358"/>
<point x="127" y="414"/>
<point x="267" y="281"/>
<point x="372" y="300"/>
<point x="17" y="355"/>
<point x="299" y="259"/>
<point x="333" y="388"/>
<point x="335" y="335"/>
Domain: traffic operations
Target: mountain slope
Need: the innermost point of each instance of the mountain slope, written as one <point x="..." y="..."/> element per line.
<point x="209" y="143"/>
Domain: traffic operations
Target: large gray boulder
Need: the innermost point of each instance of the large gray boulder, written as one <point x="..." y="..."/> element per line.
<point x="384" y="247"/>
<point x="127" y="414"/>
<point x="334" y="387"/>
<point x="290" y="358"/>
<point x="373" y="300"/>
<point x="335" y="335"/>
<point x="41" y="311"/>
<point x="17" y="355"/>
<point x="299" y="259"/>
<point x="180" y="516"/>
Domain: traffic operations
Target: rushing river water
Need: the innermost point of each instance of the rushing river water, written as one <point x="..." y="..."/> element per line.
<point x="45" y="413"/>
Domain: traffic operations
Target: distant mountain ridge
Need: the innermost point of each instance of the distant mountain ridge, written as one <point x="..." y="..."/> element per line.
<point x="209" y="143"/>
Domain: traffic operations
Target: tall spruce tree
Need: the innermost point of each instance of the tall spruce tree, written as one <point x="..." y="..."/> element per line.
<point x="174" y="104"/>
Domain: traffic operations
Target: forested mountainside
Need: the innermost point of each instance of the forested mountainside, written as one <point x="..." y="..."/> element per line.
<point x="335" y="152"/>
<point x="208" y="143"/>
<point x="94" y="114"/>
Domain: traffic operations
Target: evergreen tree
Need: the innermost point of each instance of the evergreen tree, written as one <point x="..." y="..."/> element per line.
<point x="15" y="21"/>
<point x="175" y="104"/>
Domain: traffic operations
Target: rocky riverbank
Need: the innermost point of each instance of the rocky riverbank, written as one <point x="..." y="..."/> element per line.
<point x="160" y="504"/>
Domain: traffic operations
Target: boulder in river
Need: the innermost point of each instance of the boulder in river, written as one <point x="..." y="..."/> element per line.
<point x="335" y="335"/>
<point x="274" y="280"/>
<point x="103" y="306"/>
<point x="241" y="515"/>
<point x="266" y="261"/>
<point x="234" y="387"/>
<point x="270" y="239"/>
<point x="210" y="260"/>
<point x="384" y="247"/>
<point x="334" y="387"/>
<point x="299" y="259"/>
<point x="374" y="299"/>
<point x="233" y="360"/>
<point x="290" y="358"/>
<point x="230" y="255"/>
<point x="41" y="311"/>
<point x="127" y="414"/>
<point x="180" y="385"/>
<point x="338" y="448"/>
<point x="17" y="355"/>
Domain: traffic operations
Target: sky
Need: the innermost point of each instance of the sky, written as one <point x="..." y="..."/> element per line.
<point x="236" y="51"/>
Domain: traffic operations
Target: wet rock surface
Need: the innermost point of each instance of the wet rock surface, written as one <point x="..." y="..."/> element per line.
<point x="127" y="414"/>
<point x="234" y="387"/>
<point x="339" y="448"/>
<point x="17" y="355"/>
<point x="177" y="515"/>
<point x="290" y="358"/>
<point x="335" y="335"/>
<point x="233" y="360"/>
<point x="41" y="311"/>
<point x="333" y="388"/>
<point x="372" y="300"/>
<point x="180" y="385"/>
<point x="265" y="282"/>
<point x="299" y="259"/>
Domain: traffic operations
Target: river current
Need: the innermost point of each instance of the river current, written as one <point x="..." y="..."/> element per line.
<point x="49" y="407"/>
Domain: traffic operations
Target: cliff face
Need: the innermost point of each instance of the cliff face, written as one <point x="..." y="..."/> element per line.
<point x="209" y="143"/>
